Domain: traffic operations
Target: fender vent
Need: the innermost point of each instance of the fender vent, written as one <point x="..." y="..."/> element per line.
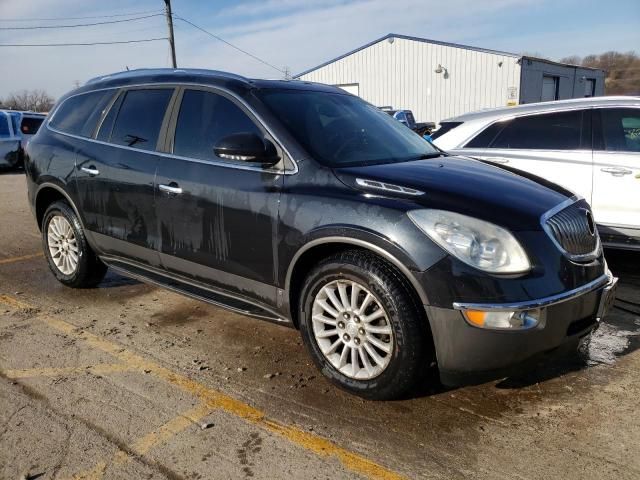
<point x="387" y="187"/>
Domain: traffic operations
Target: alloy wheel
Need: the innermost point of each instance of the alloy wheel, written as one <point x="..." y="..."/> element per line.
<point x="63" y="247"/>
<point x="352" y="329"/>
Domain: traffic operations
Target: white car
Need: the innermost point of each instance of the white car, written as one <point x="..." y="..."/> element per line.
<point x="590" y="146"/>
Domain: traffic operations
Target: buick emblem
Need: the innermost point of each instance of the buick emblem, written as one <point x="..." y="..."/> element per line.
<point x="590" y="223"/>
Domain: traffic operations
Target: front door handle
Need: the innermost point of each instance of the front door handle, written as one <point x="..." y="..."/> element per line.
<point x="172" y="188"/>
<point x="616" y="171"/>
<point x="91" y="170"/>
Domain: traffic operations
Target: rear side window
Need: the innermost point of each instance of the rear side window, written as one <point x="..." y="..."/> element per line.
<point x="140" y="118"/>
<point x="550" y="131"/>
<point x="4" y="126"/>
<point x="204" y="119"/>
<point x="79" y="115"/>
<point x="444" y="128"/>
<point x="30" y="125"/>
<point x="621" y="129"/>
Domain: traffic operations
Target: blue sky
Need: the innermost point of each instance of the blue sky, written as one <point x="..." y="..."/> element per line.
<point x="298" y="34"/>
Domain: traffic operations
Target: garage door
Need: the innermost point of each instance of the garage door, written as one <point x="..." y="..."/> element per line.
<point x="549" y="88"/>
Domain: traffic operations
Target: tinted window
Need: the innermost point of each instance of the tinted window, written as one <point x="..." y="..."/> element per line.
<point x="79" y="115"/>
<point x="343" y="130"/>
<point x="621" y="129"/>
<point x="140" y="118"/>
<point x="551" y="131"/>
<point x="4" y="126"/>
<point x="30" y="125"/>
<point x="104" y="134"/>
<point x="204" y="119"/>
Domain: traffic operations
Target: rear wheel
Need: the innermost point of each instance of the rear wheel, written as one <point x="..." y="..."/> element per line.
<point x="69" y="255"/>
<point x="363" y="328"/>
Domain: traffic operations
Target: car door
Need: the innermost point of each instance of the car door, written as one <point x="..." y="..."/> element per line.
<point x="115" y="175"/>
<point x="616" y="173"/>
<point x="218" y="218"/>
<point x="553" y="145"/>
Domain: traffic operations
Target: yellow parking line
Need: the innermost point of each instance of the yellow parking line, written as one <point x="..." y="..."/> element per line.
<point x="4" y="261"/>
<point x="95" y="473"/>
<point x="165" y="432"/>
<point x="213" y="399"/>
<point x="13" y="303"/>
<point x="100" y="369"/>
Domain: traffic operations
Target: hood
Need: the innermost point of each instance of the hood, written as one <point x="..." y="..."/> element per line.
<point x="490" y="192"/>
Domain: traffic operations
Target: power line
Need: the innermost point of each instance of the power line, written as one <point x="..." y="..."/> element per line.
<point x="77" y="18"/>
<point x="228" y="43"/>
<point x="78" y="44"/>
<point x="37" y="27"/>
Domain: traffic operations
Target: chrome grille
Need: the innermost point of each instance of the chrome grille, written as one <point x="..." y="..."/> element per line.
<point x="573" y="230"/>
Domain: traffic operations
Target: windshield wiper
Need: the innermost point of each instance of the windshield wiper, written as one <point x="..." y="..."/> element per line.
<point x="426" y="156"/>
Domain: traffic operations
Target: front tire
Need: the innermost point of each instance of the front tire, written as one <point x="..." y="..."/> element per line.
<point x="68" y="253"/>
<point x="362" y="326"/>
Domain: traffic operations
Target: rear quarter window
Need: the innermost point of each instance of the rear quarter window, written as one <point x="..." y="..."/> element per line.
<point x="79" y="115"/>
<point x="30" y="125"/>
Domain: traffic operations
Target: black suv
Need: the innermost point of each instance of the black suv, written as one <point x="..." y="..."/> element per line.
<point x="301" y="204"/>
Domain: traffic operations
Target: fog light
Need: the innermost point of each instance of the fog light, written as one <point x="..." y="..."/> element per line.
<point x="519" y="320"/>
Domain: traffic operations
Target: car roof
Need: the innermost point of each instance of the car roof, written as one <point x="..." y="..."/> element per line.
<point x="227" y="80"/>
<point x="500" y="112"/>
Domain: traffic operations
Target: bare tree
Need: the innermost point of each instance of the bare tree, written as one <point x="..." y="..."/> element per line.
<point x="32" y="100"/>
<point x="623" y="70"/>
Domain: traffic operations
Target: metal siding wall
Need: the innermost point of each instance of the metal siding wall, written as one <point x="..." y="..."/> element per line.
<point x="402" y="75"/>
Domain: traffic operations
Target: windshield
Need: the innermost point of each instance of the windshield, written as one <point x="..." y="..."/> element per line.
<point x="342" y="130"/>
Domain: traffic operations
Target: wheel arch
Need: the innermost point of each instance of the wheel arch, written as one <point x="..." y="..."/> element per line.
<point x="313" y="251"/>
<point x="48" y="193"/>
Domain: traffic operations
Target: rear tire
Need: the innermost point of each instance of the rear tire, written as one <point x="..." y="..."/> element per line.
<point x="68" y="253"/>
<point x="388" y="334"/>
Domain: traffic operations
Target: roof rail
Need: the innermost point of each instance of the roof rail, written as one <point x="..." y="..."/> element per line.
<point x="140" y="72"/>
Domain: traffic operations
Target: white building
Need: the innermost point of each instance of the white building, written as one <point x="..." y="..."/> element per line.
<point x="437" y="80"/>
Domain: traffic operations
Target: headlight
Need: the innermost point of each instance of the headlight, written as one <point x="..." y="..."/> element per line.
<point x="480" y="244"/>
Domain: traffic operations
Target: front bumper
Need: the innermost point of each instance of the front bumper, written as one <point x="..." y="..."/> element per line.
<point x="469" y="354"/>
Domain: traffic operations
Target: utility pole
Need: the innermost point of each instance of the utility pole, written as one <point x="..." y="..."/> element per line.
<point x="167" y="4"/>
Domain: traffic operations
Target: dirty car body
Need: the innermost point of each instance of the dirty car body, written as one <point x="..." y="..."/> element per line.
<point x="325" y="221"/>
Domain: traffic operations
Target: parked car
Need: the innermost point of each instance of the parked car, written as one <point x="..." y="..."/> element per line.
<point x="29" y="124"/>
<point x="10" y="150"/>
<point x="406" y="117"/>
<point x="301" y="204"/>
<point x="590" y="146"/>
<point x="16" y="128"/>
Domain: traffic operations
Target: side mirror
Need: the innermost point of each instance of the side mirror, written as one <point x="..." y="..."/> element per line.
<point x="247" y="147"/>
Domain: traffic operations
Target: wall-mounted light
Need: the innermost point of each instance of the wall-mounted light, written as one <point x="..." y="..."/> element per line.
<point x="500" y="63"/>
<point x="390" y="39"/>
<point x="441" y="69"/>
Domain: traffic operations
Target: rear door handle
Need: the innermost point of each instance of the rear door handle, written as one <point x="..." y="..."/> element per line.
<point x="172" y="188"/>
<point x="616" y="171"/>
<point x="93" y="171"/>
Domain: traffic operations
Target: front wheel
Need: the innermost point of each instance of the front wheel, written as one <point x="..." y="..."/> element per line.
<point x="69" y="255"/>
<point x="363" y="328"/>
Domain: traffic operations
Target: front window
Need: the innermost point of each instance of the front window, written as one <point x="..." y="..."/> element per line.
<point x="341" y="130"/>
